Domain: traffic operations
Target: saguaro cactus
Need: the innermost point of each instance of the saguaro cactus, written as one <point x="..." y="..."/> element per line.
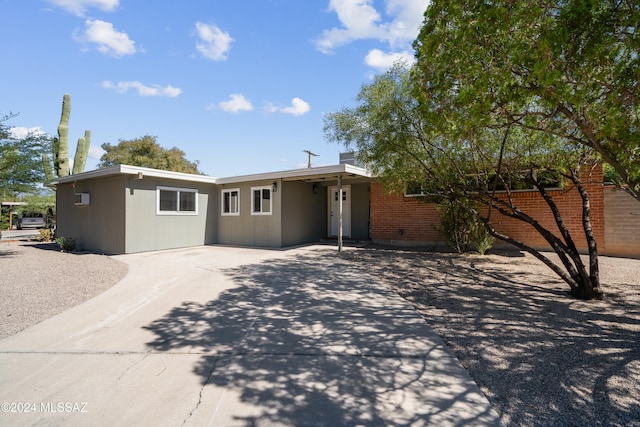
<point x="60" y="147"/>
<point x="80" y="158"/>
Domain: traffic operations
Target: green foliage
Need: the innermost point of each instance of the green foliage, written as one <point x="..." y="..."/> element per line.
<point x="463" y="229"/>
<point x="39" y="202"/>
<point x="146" y="152"/>
<point x="553" y="68"/>
<point x="455" y="226"/>
<point x="611" y="176"/>
<point x="67" y="244"/>
<point x="481" y="239"/>
<point x="60" y="147"/>
<point x="20" y="170"/>
<point x="407" y="131"/>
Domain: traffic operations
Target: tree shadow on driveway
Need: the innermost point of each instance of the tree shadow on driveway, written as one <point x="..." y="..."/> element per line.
<point x="541" y="357"/>
<point x="313" y="340"/>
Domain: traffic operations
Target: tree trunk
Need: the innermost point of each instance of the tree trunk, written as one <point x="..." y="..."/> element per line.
<point x="584" y="284"/>
<point x="594" y="291"/>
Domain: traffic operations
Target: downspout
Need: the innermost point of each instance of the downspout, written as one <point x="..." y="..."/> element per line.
<point x="339" y="213"/>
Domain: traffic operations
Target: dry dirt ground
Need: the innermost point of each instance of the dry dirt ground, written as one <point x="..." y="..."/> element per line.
<point x="540" y="356"/>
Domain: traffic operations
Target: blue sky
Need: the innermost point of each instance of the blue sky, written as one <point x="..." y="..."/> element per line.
<point x="241" y="86"/>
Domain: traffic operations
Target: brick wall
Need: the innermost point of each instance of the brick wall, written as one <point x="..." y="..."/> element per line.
<point x="621" y="223"/>
<point x="401" y="220"/>
<point x="396" y="219"/>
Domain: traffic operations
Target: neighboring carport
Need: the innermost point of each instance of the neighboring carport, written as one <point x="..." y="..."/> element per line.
<point x="10" y="206"/>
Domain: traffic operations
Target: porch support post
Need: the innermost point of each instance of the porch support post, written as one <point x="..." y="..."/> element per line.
<point x="339" y="213"/>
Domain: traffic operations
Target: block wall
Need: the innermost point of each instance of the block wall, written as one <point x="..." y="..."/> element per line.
<point x="621" y="223"/>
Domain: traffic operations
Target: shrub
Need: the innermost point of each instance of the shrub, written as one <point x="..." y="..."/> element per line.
<point x="463" y="230"/>
<point x="67" y="244"/>
<point x="454" y="226"/>
<point x="47" y="235"/>
<point x="481" y="240"/>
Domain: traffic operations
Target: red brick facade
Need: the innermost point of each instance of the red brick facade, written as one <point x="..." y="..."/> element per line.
<point x="396" y="219"/>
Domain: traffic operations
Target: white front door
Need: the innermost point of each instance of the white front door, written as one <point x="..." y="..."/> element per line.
<point x="334" y="211"/>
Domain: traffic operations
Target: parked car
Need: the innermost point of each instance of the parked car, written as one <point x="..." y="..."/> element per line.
<point x="31" y="220"/>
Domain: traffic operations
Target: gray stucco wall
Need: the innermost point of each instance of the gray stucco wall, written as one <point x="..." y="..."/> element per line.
<point x="122" y="216"/>
<point x="246" y="229"/>
<point x="304" y="213"/>
<point x="100" y="226"/>
<point x="148" y="231"/>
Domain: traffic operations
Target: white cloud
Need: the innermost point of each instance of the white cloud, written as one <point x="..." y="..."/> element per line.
<point x="20" y="132"/>
<point x="408" y="19"/>
<point x="213" y="43"/>
<point x="235" y="104"/>
<point x="360" y="20"/>
<point x="270" y="107"/>
<point x="382" y="61"/>
<point x="398" y="27"/>
<point x="298" y="107"/>
<point x="142" y="89"/>
<point x="108" y="40"/>
<point x="78" y="7"/>
<point x="95" y="152"/>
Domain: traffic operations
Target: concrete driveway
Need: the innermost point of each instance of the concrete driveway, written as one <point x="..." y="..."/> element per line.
<point x="26" y="234"/>
<point x="226" y="336"/>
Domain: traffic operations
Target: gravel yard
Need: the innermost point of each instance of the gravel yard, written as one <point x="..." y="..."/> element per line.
<point x="541" y="357"/>
<point x="38" y="281"/>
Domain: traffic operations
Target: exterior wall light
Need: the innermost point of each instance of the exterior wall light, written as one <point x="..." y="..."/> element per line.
<point x="274" y="186"/>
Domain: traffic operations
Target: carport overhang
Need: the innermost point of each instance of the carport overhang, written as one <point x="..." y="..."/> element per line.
<point x="324" y="175"/>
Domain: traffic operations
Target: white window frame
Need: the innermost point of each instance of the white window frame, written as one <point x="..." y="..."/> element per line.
<point x="222" y="193"/>
<point x="411" y="194"/>
<point x="262" y="212"/>
<point x="177" y="190"/>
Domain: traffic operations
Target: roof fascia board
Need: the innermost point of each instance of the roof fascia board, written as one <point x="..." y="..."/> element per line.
<point x="323" y="171"/>
<point x="134" y="170"/>
<point x="295" y="174"/>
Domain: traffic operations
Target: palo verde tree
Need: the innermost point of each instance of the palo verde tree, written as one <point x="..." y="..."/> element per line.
<point x="565" y="68"/>
<point x="60" y="147"/>
<point x="405" y="141"/>
<point x="146" y="152"/>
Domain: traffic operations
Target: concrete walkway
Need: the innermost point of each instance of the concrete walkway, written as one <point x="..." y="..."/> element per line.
<point x="227" y="336"/>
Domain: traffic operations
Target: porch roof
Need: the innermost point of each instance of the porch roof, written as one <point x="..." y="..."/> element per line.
<point x="316" y="174"/>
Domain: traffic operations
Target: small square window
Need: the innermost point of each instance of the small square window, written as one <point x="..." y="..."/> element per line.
<point x="231" y="202"/>
<point x="168" y="200"/>
<point x="187" y="201"/>
<point x="261" y="201"/>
